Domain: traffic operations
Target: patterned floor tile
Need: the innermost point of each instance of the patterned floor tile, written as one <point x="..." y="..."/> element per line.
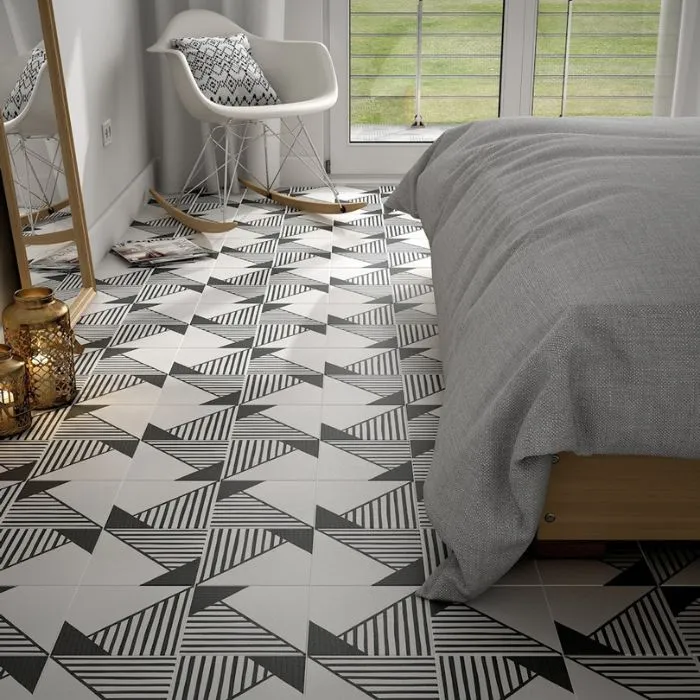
<point x="631" y="678"/>
<point x="363" y="390"/>
<point x="622" y="565"/>
<point x="30" y="621"/>
<point x="504" y="621"/>
<point x="187" y="423"/>
<point x="163" y="505"/>
<point x="17" y="459"/>
<point x="468" y="677"/>
<point x="276" y="556"/>
<point x="265" y="504"/>
<point x="674" y="563"/>
<point x="615" y="620"/>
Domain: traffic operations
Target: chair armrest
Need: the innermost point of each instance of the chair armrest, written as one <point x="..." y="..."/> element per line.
<point x="298" y="70"/>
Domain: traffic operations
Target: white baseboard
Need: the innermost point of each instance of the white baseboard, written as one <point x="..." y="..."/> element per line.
<point x="111" y="226"/>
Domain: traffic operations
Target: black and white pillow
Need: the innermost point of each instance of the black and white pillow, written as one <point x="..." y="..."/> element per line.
<point x="24" y="87"/>
<point x="225" y="70"/>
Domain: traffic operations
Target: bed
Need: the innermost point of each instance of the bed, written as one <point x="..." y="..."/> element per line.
<point x="565" y="260"/>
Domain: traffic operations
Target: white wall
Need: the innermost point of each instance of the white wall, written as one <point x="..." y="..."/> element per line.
<point x="306" y="20"/>
<point x="102" y="55"/>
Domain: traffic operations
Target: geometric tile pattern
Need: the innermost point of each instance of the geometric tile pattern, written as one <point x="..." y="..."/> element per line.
<point x="233" y="505"/>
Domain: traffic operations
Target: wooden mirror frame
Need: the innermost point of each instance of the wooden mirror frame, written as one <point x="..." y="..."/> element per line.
<point x="78" y="234"/>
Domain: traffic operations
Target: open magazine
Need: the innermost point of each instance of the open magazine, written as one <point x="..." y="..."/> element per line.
<point x="159" y="251"/>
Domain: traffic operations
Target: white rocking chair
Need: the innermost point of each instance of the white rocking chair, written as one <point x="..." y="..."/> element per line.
<point x="35" y="123"/>
<point x="303" y="76"/>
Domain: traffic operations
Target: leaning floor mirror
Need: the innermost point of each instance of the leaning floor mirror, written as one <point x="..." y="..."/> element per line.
<point x="37" y="157"/>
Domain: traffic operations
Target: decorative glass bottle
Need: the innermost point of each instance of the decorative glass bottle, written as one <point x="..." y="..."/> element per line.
<point x="15" y="415"/>
<point x="37" y="328"/>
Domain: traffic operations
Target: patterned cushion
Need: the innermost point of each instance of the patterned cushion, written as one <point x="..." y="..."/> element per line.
<point x="23" y="89"/>
<point x="226" y="72"/>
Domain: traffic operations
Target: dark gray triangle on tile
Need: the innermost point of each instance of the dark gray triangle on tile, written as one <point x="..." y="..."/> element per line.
<point x="121" y="520"/>
<point x="680" y="597"/>
<point x="18" y="474"/>
<point x="324" y="643"/>
<point x="396" y="399"/>
<point x="391" y="343"/>
<point x="153" y="432"/>
<point x="85" y="538"/>
<point x="125" y="447"/>
<point x="228" y="488"/>
<point x="574" y="643"/>
<point x="420" y="447"/>
<point x="290" y="669"/>
<point x="212" y="473"/>
<point x="228" y="400"/>
<point x="301" y="537"/>
<point x="204" y="596"/>
<point x="553" y="668"/>
<point x="34" y="487"/>
<point x="308" y="447"/>
<point x="72" y="642"/>
<point x="638" y="574"/>
<point x="327" y="520"/>
<point x="403" y="472"/>
<point x="411" y="575"/>
<point x="25" y="670"/>
<point x="185" y="575"/>
<point x="328" y="432"/>
<point x="332" y="369"/>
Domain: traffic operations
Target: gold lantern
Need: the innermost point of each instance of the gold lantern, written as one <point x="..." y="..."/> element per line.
<point x="15" y="416"/>
<point x="37" y="328"/>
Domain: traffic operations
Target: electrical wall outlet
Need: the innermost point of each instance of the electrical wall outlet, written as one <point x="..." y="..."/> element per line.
<point x="107" y="133"/>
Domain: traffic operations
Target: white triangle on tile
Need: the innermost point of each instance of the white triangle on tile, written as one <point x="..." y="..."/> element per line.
<point x="335" y="564"/>
<point x="284" y="614"/>
<point x="284" y="565"/>
<point x="297" y="498"/>
<point x="37" y="611"/>
<point x="337" y="465"/>
<point x="112" y="466"/>
<point x="115" y="562"/>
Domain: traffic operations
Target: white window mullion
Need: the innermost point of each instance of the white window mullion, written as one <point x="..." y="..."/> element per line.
<point x="518" y="66"/>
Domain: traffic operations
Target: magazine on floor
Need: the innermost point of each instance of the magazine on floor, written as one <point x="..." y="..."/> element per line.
<point x="159" y="251"/>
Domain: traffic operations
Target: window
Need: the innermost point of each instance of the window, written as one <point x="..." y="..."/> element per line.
<point x="596" y="57"/>
<point x="435" y="59"/>
<point x="446" y="62"/>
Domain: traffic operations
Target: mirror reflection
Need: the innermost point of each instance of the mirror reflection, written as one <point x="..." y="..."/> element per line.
<point x="29" y="117"/>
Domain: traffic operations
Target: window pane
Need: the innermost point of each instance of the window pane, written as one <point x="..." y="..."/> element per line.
<point x="460" y="67"/>
<point x="609" y="65"/>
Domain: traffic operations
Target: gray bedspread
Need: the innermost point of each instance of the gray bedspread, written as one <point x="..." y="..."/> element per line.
<point x="566" y="262"/>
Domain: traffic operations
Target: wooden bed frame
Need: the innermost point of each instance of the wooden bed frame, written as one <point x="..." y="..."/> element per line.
<point x="608" y="498"/>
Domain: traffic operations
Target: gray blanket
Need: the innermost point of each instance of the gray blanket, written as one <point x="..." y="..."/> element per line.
<point x="566" y="261"/>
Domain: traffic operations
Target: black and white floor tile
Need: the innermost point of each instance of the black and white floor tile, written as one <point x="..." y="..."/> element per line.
<point x="233" y="506"/>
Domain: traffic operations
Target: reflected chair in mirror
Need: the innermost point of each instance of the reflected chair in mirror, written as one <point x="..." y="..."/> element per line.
<point x="303" y="77"/>
<point x="30" y="125"/>
<point x="38" y="110"/>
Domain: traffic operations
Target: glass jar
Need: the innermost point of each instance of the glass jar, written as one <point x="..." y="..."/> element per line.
<point x="37" y="328"/>
<point x="15" y="414"/>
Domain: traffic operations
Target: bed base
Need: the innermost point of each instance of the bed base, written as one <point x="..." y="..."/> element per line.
<point x="603" y="498"/>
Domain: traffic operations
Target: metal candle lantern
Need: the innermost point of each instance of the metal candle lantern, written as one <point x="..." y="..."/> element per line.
<point x="15" y="416"/>
<point x="37" y="328"/>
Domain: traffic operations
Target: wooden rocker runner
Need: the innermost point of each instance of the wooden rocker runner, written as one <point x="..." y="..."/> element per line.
<point x="304" y="78"/>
